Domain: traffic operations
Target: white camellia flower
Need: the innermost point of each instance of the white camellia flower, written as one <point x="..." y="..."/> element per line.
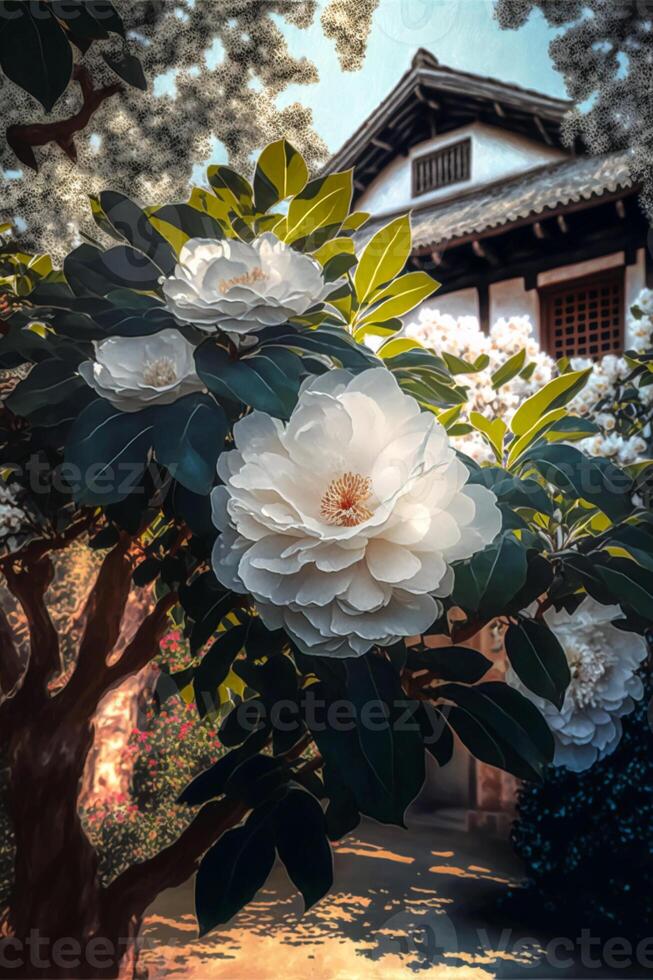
<point x="134" y="372"/>
<point x="243" y="287"/>
<point x="343" y="522"/>
<point x="604" y="685"/>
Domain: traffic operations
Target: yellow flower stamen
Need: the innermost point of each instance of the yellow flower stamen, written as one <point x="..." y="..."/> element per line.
<point x="343" y="501"/>
<point x="247" y="279"/>
<point x="160" y="372"/>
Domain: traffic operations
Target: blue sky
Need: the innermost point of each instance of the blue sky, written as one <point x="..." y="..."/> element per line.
<point x="460" y="33"/>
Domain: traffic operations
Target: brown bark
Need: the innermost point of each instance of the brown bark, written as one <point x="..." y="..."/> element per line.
<point x="23" y="139"/>
<point x="57" y="895"/>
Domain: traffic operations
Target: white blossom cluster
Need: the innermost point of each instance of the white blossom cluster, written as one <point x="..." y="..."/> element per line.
<point x="13" y="519"/>
<point x="462" y="336"/>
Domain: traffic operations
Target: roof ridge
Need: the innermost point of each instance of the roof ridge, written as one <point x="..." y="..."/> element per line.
<point x="424" y="64"/>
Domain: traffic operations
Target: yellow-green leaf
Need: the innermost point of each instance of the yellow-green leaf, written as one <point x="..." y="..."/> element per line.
<point x="398" y="346"/>
<point x="323" y="203"/>
<point x="374" y="330"/>
<point x="509" y="370"/>
<point x="457" y="365"/>
<point x="280" y="172"/>
<point x="383" y="257"/>
<point x="335" y="246"/>
<point x="449" y="416"/>
<point x="203" y="200"/>
<point x="521" y="444"/>
<point x="492" y="430"/>
<point x="232" y="188"/>
<point x="355" y="220"/>
<point x="400" y="296"/>
<point x="170" y="232"/>
<point x="555" y="394"/>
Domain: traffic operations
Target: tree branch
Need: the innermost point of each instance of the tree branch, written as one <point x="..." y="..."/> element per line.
<point x="88" y="686"/>
<point x="11" y="666"/>
<point x="104" y="609"/>
<point x="145" y="643"/>
<point x="22" y="139"/>
<point x="138" y="886"/>
<point x="29" y="583"/>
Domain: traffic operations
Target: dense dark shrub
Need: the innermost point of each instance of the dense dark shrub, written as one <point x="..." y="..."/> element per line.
<point x="586" y="839"/>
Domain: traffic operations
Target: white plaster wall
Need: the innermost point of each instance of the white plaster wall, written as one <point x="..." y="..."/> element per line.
<point x="635" y="278"/>
<point x="510" y="298"/>
<point x="495" y="154"/>
<point x="464" y="302"/>
<point x="578" y="269"/>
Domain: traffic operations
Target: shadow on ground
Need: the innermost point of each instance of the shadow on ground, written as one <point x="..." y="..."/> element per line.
<point x="416" y="903"/>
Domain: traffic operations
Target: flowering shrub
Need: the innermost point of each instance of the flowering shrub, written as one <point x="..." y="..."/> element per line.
<point x="170" y="745"/>
<point x="618" y="411"/>
<point x="200" y="395"/>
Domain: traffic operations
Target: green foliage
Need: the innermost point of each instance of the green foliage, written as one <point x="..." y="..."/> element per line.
<point x="570" y="526"/>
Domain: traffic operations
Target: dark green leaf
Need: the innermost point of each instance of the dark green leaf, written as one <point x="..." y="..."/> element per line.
<point x="303" y="846"/>
<point x="109" y="449"/>
<point x="213" y="781"/>
<point x="234" y="869"/>
<point x="132" y="224"/>
<point x="128" y="67"/>
<point x="450" y="663"/>
<point x="215" y="666"/>
<point x="538" y="659"/>
<point x="188" y="438"/>
<point x="34" y="50"/>
<point x="581" y="477"/>
<point x="514" y="722"/>
<point x="268" y="380"/>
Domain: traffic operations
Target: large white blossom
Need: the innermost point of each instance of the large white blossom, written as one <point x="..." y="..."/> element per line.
<point x="342" y="523"/>
<point x="134" y="372"/>
<point x="604" y="684"/>
<point x="243" y="287"/>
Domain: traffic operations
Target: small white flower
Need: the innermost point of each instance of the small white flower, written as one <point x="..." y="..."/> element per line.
<point x="342" y="524"/>
<point x="134" y="372"/>
<point x="241" y="287"/>
<point x="14" y="521"/>
<point x="604" y="685"/>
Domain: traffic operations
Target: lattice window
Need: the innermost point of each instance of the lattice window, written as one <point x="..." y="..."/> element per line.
<point x="584" y="317"/>
<point x="448" y="165"/>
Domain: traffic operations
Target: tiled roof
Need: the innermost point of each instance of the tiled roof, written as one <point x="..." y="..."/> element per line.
<point x="548" y="188"/>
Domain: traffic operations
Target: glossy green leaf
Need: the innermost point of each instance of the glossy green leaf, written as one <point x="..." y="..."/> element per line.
<point x="553" y="395"/>
<point x="383" y="258"/>
<point x="188" y="439"/>
<point x="537" y="430"/>
<point x="509" y="370"/>
<point x="581" y="477"/>
<point x="108" y="450"/>
<point x="34" y="51"/>
<point x="268" y="380"/>
<point x="492" y="430"/>
<point x="400" y="297"/>
<point x="280" y="172"/>
<point x="322" y="205"/>
<point x="538" y="659"/>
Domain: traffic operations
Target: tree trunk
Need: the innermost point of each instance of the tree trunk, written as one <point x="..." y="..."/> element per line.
<point x="58" y="912"/>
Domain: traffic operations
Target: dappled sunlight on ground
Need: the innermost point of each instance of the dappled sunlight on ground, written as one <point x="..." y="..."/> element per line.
<point x="392" y="914"/>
